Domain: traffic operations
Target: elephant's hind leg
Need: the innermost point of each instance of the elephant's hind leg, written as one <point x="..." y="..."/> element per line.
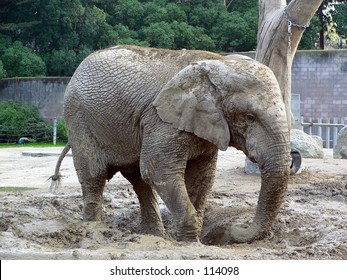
<point x="89" y="161"/>
<point x="92" y="177"/>
<point x="92" y="189"/>
<point x="150" y="213"/>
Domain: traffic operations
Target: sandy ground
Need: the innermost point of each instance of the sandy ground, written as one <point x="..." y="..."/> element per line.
<point x="35" y="224"/>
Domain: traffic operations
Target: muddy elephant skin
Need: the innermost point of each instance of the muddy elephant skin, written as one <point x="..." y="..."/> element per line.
<point x="160" y="116"/>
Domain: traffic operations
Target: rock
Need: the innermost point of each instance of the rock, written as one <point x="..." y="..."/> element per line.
<point x="251" y="167"/>
<point x="340" y="150"/>
<point x="308" y="146"/>
<point x="339" y="198"/>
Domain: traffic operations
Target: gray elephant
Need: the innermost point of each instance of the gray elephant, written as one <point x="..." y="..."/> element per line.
<point x="160" y="116"/>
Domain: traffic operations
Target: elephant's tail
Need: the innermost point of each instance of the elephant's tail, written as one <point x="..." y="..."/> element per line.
<point x="56" y="178"/>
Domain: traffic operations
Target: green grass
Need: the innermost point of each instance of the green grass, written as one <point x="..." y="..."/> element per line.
<point x="35" y="145"/>
<point x="16" y="189"/>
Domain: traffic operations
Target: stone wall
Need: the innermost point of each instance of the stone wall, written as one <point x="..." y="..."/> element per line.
<point x="47" y="94"/>
<point x="320" y="77"/>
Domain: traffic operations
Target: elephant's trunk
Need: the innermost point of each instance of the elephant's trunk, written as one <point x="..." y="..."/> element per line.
<point x="274" y="179"/>
<point x="275" y="170"/>
<point x="274" y="164"/>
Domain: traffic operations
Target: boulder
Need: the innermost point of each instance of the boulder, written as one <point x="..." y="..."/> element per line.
<point x="308" y="146"/>
<point x="340" y="150"/>
<point x="251" y="167"/>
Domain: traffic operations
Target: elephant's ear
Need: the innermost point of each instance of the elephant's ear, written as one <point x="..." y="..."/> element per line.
<point x="190" y="102"/>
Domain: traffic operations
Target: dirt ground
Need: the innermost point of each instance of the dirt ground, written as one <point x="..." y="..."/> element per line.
<point x="36" y="224"/>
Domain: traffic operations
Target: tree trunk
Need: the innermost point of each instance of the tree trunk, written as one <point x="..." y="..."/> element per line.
<point x="322" y="24"/>
<point x="279" y="32"/>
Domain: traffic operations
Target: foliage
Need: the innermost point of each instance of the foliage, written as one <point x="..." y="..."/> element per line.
<point x="310" y="37"/>
<point x="61" y="33"/>
<point x="19" y="120"/>
<point x="327" y="16"/>
<point x="2" y="71"/>
<point x="62" y="135"/>
<point x="5" y="41"/>
<point x="62" y="62"/>
<point x="64" y="32"/>
<point x="20" y="61"/>
<point x="341" y="19"/>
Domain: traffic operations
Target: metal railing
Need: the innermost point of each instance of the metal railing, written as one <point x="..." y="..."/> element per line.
<point x="327" y="129"/>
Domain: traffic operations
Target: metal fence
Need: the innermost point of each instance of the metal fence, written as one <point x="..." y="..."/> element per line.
<point x="327" y="129"/>
<point x="44" y="133"/>
<point x="10" y="134"/>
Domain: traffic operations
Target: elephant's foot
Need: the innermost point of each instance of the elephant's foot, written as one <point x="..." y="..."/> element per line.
<point x="92" y="212"/>
<point x="187" y="236"/>
<point x="222" y="235"/>
<point x="190" y="229"/>
<point x="154" y="230"/>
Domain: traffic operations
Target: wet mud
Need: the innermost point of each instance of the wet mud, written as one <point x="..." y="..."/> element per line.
<point x="36" y="224"/>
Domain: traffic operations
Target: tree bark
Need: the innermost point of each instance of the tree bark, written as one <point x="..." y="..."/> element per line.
<point x="277" y="43"/>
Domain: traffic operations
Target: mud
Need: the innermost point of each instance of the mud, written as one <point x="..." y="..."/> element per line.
<point x="36" y="224"/>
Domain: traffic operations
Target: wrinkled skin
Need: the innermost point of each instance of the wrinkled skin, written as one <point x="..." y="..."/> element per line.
<point x="159" y="117"/>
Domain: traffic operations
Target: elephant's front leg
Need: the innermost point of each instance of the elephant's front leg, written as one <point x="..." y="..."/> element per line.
<point x="199" y="178"/>
<point x="173" y="192"/>
<point x="164" y="171"/>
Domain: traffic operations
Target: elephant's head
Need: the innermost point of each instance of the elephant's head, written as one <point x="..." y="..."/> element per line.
<point x="235" y="102"/>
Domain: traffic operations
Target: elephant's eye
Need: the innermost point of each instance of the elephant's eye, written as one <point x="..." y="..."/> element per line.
<point x="250" y="117"/>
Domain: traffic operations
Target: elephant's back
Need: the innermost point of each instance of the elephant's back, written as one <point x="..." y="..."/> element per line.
<point x="114" y="87"/>
<point x="110" y="91"/>
<point x="130" y="72"/>
<point x="117" y="78"/>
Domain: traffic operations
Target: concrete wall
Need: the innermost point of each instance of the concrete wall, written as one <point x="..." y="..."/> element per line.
<point x="47" y="94"/>
<point x="319" y="77"/>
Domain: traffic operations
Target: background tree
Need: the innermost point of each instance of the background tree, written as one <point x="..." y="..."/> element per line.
<point x="280" y="30"/>
<point x="340" y="18"/>
<point x="19" y="61"/>
<point x="310" y="38"/>
<point x="340" y="22"/>
<point x="3" y="73"/>
<point x="63" y="32"/>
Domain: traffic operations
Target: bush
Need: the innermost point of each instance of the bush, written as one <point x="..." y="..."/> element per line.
<point x="2" y="71"/>
<point x="19" y="120"/>
<point x="61" y="131"/>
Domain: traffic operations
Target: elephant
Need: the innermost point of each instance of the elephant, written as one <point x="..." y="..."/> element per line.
<point x="159" y="117"/>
